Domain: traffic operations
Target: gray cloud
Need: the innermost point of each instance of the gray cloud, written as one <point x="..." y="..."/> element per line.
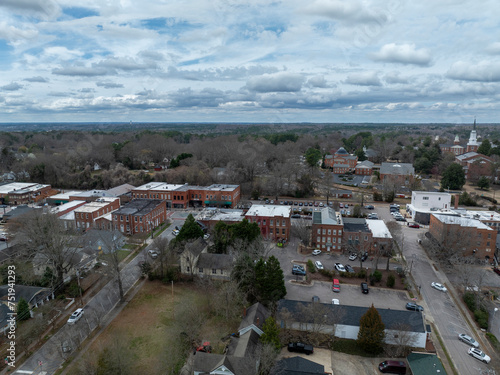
<point x="36" y="79"/>
<point x="279" y="82"/>
<point x="83" y="71"/>
<point x="484" y="71"/>
<point x="402" y="54"/>
<point x="109" y="85"/>
<point x="43" y="9"/>
<point x="347" y="11"/>
<point x="14" y="86"/>
<point x="87" y="90"/>
<point x="394" y="77"/>
<point x="363" y="79"/>
<point x="125" y="63"/>
<point x="318" y="81"/>
<point x="220" y="74"/>
<point x="493" y="48"/>
<point x="59" y="94"/>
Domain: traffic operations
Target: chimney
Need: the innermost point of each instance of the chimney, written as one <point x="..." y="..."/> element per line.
<point x="257" y="322"/>
<point x="455" y="206"/>
<point x="244" y="312"/>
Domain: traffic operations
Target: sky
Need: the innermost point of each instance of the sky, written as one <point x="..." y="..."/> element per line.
<point x="250" y="61"/>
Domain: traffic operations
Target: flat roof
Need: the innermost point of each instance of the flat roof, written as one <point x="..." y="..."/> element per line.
<point x="216" y="214"/>
<point x="138" y="207"/>
<point x="482" y="215"/>
<point x="462" y="221"/>
<point x="378" y="229"/>
<point x="20" y="187"/>
<point x="448" y="195"/>
<point x="159" y="186"/>
<point x="66" y="206"/>
<point x="64" y="196"/>
<point x="93" y="193"/>
<point x="269" y="210"/>
<point x="184" y="187"/>
<point x="327" y="216"/>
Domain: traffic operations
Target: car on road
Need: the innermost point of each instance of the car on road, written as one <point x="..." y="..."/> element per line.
<point x="414" y="307"/>
<point x="414" y="225"/>
<point x="335" y="301"/>
<point x="75" y="317"/>
<point x="319" y="265"/>
<point x="438" y="286"/>
<point x="299" y="347"/>
<point x="339" y="267"/>
<point x="468" y="340"/>
<point x="479" y="354"/>
<point x="206" y="236"/>
<point x="349" y="269"/>
<point x="400" y="218"/>
<point x="298" y="270"/>
<point x="364" y="257"/>
<point x="496" y="270"/>
<point x="369" y="207"/>
<point x="364" y="288"/>
<point x="316" y="252"/>
<point x="336" y="286"/>
<point x="153" y="254"/>
<point x="315" y="299"/>
<point x="353" y="256"/>
<point x="175" y="232"/>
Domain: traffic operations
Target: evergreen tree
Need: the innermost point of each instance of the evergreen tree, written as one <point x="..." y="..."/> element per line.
<point x="453" y="177"/>
<point x="313" y="155"/>
<point x="371" y="331"/>
<point x="23" y="309"/>
<point x="271" y="333"/>
<point x="483" y="183"/>
<point x="484" y="148"/>
<point x="190" y="230"/>
<point x="276" y="288"/>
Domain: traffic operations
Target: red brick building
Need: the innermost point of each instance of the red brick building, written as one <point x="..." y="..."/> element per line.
<point x="86" y="215"/>
<point x="140" y="215"/>
<point x="470" y="237"/>
<point x="17" y="193"/>
<point x="341" y="161"/>
<point x="327" y="230"/>
<point x="475" y="165"/>
<point x="364" y="168"/>
<point x="273" y="221"/>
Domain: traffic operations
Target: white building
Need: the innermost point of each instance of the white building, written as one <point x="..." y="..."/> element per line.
<point x="423" y="203"/>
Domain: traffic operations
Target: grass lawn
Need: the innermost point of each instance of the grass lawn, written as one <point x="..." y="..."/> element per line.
<point x="150" y="327"/>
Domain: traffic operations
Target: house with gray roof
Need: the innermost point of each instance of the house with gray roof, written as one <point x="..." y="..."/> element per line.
<point x="297" y="366"/>
<point x="216" y="364"/>
<point x="343" y="321"/>
<point x="253" y="318"/>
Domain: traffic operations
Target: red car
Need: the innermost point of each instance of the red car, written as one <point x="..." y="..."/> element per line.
<point x="496" y="270"/>
<point x="414" y="225"/>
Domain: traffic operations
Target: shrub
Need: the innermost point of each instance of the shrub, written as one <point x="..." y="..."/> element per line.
<point x="361" y="274"/>
<point x="481" y="317"/>
<point x="377" y="275"/>
<point x="493" y="340"/>
<point x="377" y="197"/>
<point x="391" y="280"/>
<point x="470" y="300"/>
<point x="310" y="266"/>
<point x="326" y="273"/>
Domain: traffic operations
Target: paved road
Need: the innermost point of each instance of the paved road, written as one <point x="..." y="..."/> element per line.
<point x="68" y="339"/>
<point x="440" y="307"/>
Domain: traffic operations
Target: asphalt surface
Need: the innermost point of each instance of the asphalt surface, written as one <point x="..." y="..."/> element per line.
<point x="49" y="358"/>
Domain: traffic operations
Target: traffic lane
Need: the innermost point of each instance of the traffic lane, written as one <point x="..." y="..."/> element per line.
<point x="350" y="294"/>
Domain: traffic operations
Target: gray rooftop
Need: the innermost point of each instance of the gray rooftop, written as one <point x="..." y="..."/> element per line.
<point x="400" y="169"/>
<point x="205" y="363"/>
<point x="352" y="224"/>
<point x="297" y="366"/>
<point x="217" y="261"/>
<point x="326" y="216"/>
<point x="138" y="207"/>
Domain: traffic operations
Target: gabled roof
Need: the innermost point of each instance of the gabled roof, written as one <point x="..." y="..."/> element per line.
<point x="208" y="363"/>
<point x="351" y="315"/>
<point x="327" y="216"/>
<point x="32" y="294"/>
<point x="121" y="190"/>
<point x="365" y="164"/>
<point x="245" y="345"/>
<point x="256" y="315"/>
<point x="217" y="261"/>
<point x="424" y="364"/>
<point x="297" y="366"/>
<point x="401" y="169"/>
<point x="196" y="247"/>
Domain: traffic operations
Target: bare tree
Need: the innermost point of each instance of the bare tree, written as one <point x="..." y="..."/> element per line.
<point x="404" y="339"/>
<point x="166" y="254"/>
<point x="267" y="356"/>
<point x="302" y="230"/>
<point x="112" y="243"/>
<point x="228" y="300"/>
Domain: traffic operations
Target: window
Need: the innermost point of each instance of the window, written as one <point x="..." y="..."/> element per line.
<point x="116" y="217"/>
<point x="319" y="231"/>
<point x="263" y="222"/>
<point x="187" y="269"/>
<point x="366" y="238"/>
<point x="140" y="219"/>
<point x="87" y="216"/>
<point x="324" y="231"/>
<point x="200" y="270"/>
<point x="425" y="198"/>
<point x="340" y="240"/>
<point x="126" y="218"/>
<point x="318" y="239"/>
<point x="340" y="232"/>
<point x="121" y="217"/>
<point x="214" y="271"/>
<point x="271" y="222"/>
<point x="323" y="239"/>
<point x="488" y="243"/>
<point x="334" y="239"/>
<point x="334" y="232"/>
<point x="329" y="231"/>
<point x="135" y="219"/>
<point x="283" y="231"/>
<point x="283" y="223"/>
<point x="350" y="238"/>
<point x="271" y="230"/>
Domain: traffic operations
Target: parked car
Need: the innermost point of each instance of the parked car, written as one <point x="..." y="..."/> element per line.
<point x="206" y="236"/>
<point x="299" y="347"/>
<point x="335" y="301"/>
<point x="400" y="218"/>
<point x="295" y="216"/>
<point x="413" y="306"/>
<point x="315" y="299"/>
<point x="153" y="254"/>
<point x="175" y="232"/>
<point x="339" y="267"/>
<point x="364" y="288"/>
<point x="438" y="286"/>
<point x="479" y="354"/>
<point x="321" y="204"/>
<point x="349" y="269"/>
<point x="496" y="270"/>
<point x="392" y="367"/>
<point x="369" y="207"/>
<point x="413" y="225"/>
<point x="75" y="317"/>
<point x="301" y="204"/>
<point x="316" y="252"/>
<point x="373" y="216"/>
<point x="336" y="286"/>
<point x="298" y="270"/>
<point x="353" y="256"/>
<point x="468" y="340"/>
<point x="364" y="257"/>
<point x="319" y="265"/>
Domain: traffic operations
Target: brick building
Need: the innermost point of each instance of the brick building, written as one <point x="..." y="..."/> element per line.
<point x="341" y="161"/>
<point x="139" y="216"/>
<point x="273" y="221"/>
<point x="183" y="196"/>
<point x="86" y="215"/>
<point x="327" y="229"/>
<point x="402" y="172"/>
<point x="364" y="168"/>
<point x="357" y="236"/>
<point x="17" y="193"/>
<point x="469" y="236"/>
<point x="475" y="165"/>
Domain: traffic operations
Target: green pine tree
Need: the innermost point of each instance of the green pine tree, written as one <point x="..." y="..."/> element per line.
<point x="190" y="230"/>
<point x="271" y="333"/>
<point x="23" y="309"/>
<point x="275" y="283"/>
<point x="371" y="331"/>
<point x="453" y="177"/>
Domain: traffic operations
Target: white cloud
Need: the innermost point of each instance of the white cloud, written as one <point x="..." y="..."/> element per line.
<point x="80" y="71"/>
<point x="62" y="53"/>
<point x="402" y="54"/>
<point x="347" y="11"/>
<point x="12" y="33"/>
<point x="484" y="71"/>
<point x="42" y="9"/>
<point x="363" y="79"/>
<point x="493" y="48"/>
<point x="279" y="82"/>
<point x="109" y="85"/>
<point x="318" y="81"/>
<point x="14" y="86"/>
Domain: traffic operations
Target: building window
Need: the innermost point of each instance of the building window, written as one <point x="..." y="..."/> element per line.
<point x="187" y="269"/>
<point x="283" y="223"/>
<point x="323" y="239"/>
<point x="214" y="271"/>
<point x="366" y="238"/>
<point x="340" y="240"/>
<point x="425" y="198"/>
<point x="283" y="231"/>
<point x="324" y="231"/>
<point x="334" y="239"/>
<point x="340" y="232"/>
<point x="329" y="231"/>
<point x="318" y="239"/>
<point x="121" y="217"/>
<point x="263" y="222"/>
<point x="271" y="230"/>
<point x="200" y="270"/>
<point x="319" y="231"/>
<point x="334" y="232"/>
<point x="126" y="218"/>
<point x="135" y="219"/>
<point x="271" y="222"/>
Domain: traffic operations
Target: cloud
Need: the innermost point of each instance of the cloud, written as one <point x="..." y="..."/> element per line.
<point x="493" y="48"/>
<point x="346" y="11"/>
<point x="83" y="71"/>
<point x="109" y="85"/>
<point x="318" y="81"/>
<point x="368" y="78"/>
<point x="36" y="79"/>
<point x="126" y="63"/>
<point x="14" y="86"/>
<point x="86" y="90"/>
<point x="484" y="71"/>
<point x="62" y="53"/>
<point x="394" y="77"/>
<point x="402" y="54"/>
<point x="12" y="33"/>
<point x="279" y="82"/>
<point x="42" y="9"/>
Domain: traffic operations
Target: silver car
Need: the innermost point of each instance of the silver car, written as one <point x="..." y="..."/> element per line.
<point x="479" y="354"/>
<point x="468" y="340"/>
<point x="75" y="317"/>
<point x="438" y="286"/>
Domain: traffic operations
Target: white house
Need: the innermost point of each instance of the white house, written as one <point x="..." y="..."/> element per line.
<point x="423" y="203"/>
<point x="343" y="321"/>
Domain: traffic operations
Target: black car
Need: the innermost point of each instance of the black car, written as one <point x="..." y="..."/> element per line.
<point x="369" y="207"/>
<point x="364" y="257"/>
<point x="414" y="307"/>
<point x="364" y="288"/>
<point x="400" y="219"/>
<point x="349" y="269"/>
<point x="295" y="216"/>
<point x="299" y="347"/>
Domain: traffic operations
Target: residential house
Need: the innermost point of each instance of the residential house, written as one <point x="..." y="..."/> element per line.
<point x="371" y="154"/>
<point x="139" y="216"/>
<point x="273" y="221"/>
<point x="34" y="295"/>
<point x="253" y="319"/>
<point x="327" y="229"/>
<point x="343" y="321"/>
<point x="196" y="261"/>
<point x="469" y="236"/>
<point x="298" y="366"/>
